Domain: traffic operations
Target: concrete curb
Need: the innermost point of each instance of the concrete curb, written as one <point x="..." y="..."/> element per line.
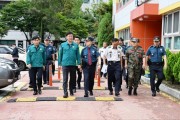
<point x="9" y="89"/>
<point x="174" y="93"/>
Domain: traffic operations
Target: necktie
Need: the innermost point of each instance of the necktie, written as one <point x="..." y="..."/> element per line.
<point x="89" y="57"/>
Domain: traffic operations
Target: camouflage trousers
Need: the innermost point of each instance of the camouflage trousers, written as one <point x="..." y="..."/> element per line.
<point x="133" y="76"/>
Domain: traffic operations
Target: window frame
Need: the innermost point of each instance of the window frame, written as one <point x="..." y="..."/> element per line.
<point x="165" y="30"/>
<point x="173" y="34"/>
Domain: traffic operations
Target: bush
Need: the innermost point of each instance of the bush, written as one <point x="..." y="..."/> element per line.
<point x="172" y="71"/>
<point x="168" y="53"/>
<point x="176" y="70"/>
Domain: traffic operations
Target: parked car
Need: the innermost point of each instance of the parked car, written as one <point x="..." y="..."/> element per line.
<point x="20" y="50"/>
<point x="5" y="52"/>
<point x="9" y="72"/>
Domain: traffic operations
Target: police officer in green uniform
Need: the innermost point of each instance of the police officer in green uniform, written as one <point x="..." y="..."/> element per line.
<point x="135" y="60"/>
<point x="154" y="57"/>
<point x="36" y="60"/>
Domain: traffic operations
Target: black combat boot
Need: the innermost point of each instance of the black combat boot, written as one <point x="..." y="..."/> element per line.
<point x="130" y="91"/>
<point x="135" y="91"/>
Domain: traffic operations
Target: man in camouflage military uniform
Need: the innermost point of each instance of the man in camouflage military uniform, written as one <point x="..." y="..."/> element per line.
<point x="135" y="57"/>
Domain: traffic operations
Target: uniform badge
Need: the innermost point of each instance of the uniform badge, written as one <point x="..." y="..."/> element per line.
<point x="93" y="51"/>
<point x="161" y="49"/>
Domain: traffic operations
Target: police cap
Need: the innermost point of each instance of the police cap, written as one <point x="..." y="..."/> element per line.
<point x="156" y="39"/>
<point x="47" y="38"/>
<point x="121" y="39"/>
<point x="90" y="39"/>
<point x="114" y="39"/>
<point x="35" y="37"/>
<point x="134" y="40"/>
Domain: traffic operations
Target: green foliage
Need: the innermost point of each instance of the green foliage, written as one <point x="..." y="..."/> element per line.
<point x="77" y="26"/>
<point x="17" y="16"/>
<point x="176" y="68"/>
<point x="172" y="66"/>
<point x="105" y="29"/>
<point x="103" y="15"/>
<point x="3" y="29"/>
<point x="55" y="17"/>
<point x="168" y="52"/>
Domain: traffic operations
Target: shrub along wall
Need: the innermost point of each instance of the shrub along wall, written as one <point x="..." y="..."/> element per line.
<point x="172" y="72"/>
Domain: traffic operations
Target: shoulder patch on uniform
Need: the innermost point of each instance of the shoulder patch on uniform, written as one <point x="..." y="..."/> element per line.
<point x="94" y="47"/>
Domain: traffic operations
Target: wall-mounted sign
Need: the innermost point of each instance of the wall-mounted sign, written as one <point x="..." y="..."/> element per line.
<point x="140" y="2"/>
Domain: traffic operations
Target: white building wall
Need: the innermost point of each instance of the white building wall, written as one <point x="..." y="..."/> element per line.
<point x="166" y="3"/>
<point x="123" y="16"/>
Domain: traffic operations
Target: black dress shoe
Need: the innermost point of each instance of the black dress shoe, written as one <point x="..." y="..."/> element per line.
<point x="111" y="93"/>
<point x="117" y="94"/>
<point x="30" y="86"/>
<point x="91" y="93"/>
<point x="86" y="95"/>
<point x="71" y="92"/>
<point x="65" y="95"/>
<point x="154" y="94"/>
<point x="35" y="93"/>
<point x="39" y="91"/>
<point x="157" y="89"/>
<point x="79" y="85"/>
<point x="74" y="90"/>
<point x="44" y="83"/>
<point x="120" y="89"/>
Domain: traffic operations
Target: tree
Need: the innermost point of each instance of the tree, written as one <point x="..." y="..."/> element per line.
<point x="55" y="17"/>
<point x="60" y="16"/>
<point x="18" y="16"/>
<point x="3" y="29"/>
<point x="105" y="29"/>
<point x="103" y="14"/>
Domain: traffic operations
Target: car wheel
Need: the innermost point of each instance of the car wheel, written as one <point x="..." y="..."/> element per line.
<point x="22" y="65"/>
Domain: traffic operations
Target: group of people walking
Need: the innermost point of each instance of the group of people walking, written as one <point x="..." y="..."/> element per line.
<point x="123" y="62"/>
